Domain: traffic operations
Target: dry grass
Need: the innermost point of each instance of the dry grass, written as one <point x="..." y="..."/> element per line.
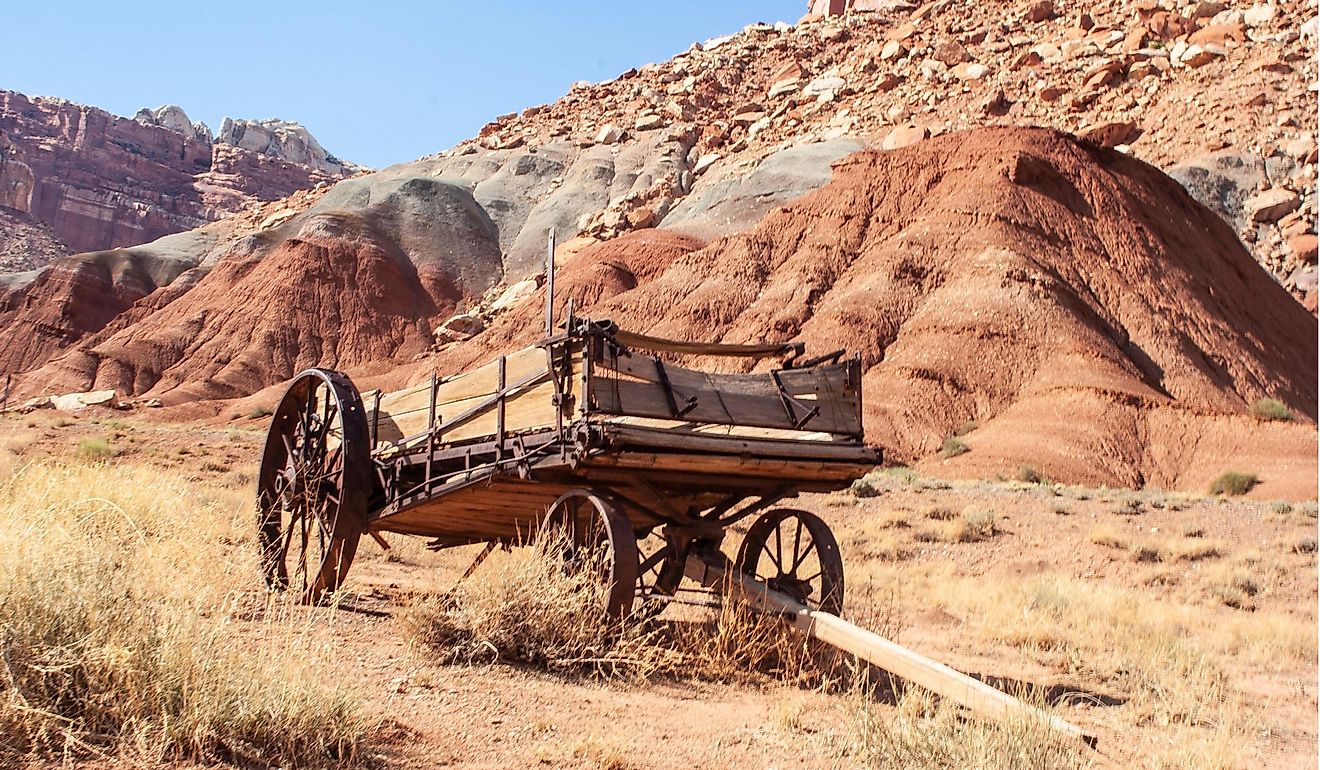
<point x="528" y="610"/>
<point x="1107" y="537"/>
<point x="114" y="594"/>
<point x="1165" y="658"/>
<point x="971" y="526"/>
<point x="923" y="734"/>
<point x="1191" y="549"/>
<point x="1233" y="586"/>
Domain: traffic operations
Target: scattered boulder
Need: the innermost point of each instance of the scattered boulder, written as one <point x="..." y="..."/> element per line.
<point x="1303" y="247"/>
<point x="72" y="402"/>
<point x="824" y="85"/>
<point x="609" y="134"/>
<point x="970" y="71"/>
<point x="515" y="294"/>
<point x="458" y="328"/>
<point x="903" y="136"/>
<point x="1039" y="11"/>
<point x="1271" y="205"/>
<point x="649" y="121"/>
<point x="1222" y="182"/>
<point x="1110" y="134"/>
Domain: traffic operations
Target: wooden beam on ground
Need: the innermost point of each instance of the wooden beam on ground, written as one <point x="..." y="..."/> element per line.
<point x="970" y="693"/>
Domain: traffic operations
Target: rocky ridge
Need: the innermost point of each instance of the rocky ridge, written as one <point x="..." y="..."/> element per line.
<point x="1177" y="84"/>
<point x="96" y="181"/>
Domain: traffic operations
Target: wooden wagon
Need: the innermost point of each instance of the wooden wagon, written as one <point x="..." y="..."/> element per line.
<point x="594" y="429"/>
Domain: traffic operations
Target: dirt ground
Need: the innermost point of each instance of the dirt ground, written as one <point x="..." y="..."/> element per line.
<point x="1109" y="602"/>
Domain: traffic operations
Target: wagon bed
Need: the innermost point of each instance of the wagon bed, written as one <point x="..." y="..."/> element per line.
<point x="592" y="419"/>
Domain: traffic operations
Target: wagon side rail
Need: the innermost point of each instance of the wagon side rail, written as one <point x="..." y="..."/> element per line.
<point x="821" y="399"/>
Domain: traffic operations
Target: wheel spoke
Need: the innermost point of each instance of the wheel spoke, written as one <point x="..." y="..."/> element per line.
<point x="797" y="544"/>
<point x="772" y="556"/>
<point x="779" y="549"/>
<point x="803" y="556"/>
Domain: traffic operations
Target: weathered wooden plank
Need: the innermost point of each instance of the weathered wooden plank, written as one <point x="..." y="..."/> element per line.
<point x="646" y="342"/>
<point x="527" y="409"/>
<point x="786" y="444"/>
<point x="711" y="405"/>
<point x="913" y="667"/>
<point x="708" y="464"/>
<point x="817" y="382"/>
<point x="405" y="413"/>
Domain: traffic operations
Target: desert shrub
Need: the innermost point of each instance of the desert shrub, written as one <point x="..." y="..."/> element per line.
<point x="1270" y="409"/>
<point x="965" y="428"/>
<point x="95" y="450"/>
<point x="1060" y="509"/>
<point x="261" y="411"/>
<point x="1304" y="544"/>
<point x="1281" y="507"/>
<point x="1142" y="552"/>
<point x="113" y="601"/>
<point x="1027" y="474"/>
<point x="953" y="446"/>
<point x="1309" y="509"/>
<point x="865" y="487"/>
<point x="1128" y="505"/>
<point x="1234" y="483"/>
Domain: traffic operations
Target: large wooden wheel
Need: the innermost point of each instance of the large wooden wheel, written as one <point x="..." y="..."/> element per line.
<point x="597" y="536"/>
<point x="795" y="553"/>
<point x="659" y="572"/>
<point x="313" y="486"/>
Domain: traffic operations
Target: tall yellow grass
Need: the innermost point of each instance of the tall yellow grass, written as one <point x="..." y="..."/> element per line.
<point x="119" y="588"/>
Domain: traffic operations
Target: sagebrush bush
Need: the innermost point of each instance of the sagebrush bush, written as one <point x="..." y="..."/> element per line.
<point x="1234" y="483"/>
<point x="953" y="446"/>
<point x="95" y="449"/>
<point x="113" y="597"/>
<point x="1270" y="409"/>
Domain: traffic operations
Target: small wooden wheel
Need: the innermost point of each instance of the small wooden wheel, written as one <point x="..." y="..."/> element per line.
<point x="795" y="553"/>
<point x="598" y="536"/>
<point x="313" y="486"/>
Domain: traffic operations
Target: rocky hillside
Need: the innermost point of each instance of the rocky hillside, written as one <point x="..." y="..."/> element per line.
<point x="1215" y="93"/>
<point x="95" y="181"/>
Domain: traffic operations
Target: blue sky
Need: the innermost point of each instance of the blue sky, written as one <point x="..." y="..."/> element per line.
<point x="375" y="82"/>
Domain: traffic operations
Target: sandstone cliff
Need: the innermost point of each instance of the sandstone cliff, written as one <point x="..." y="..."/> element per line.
<point x="91" y="181"/>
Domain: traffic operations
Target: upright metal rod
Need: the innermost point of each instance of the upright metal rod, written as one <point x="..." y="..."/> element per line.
<point x="550" y="286"/>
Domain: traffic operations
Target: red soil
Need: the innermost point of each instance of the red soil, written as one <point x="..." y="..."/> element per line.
<point x="336" y="296"/>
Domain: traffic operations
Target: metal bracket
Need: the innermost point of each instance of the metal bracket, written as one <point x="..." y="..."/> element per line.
<point x="674" y="409"/>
